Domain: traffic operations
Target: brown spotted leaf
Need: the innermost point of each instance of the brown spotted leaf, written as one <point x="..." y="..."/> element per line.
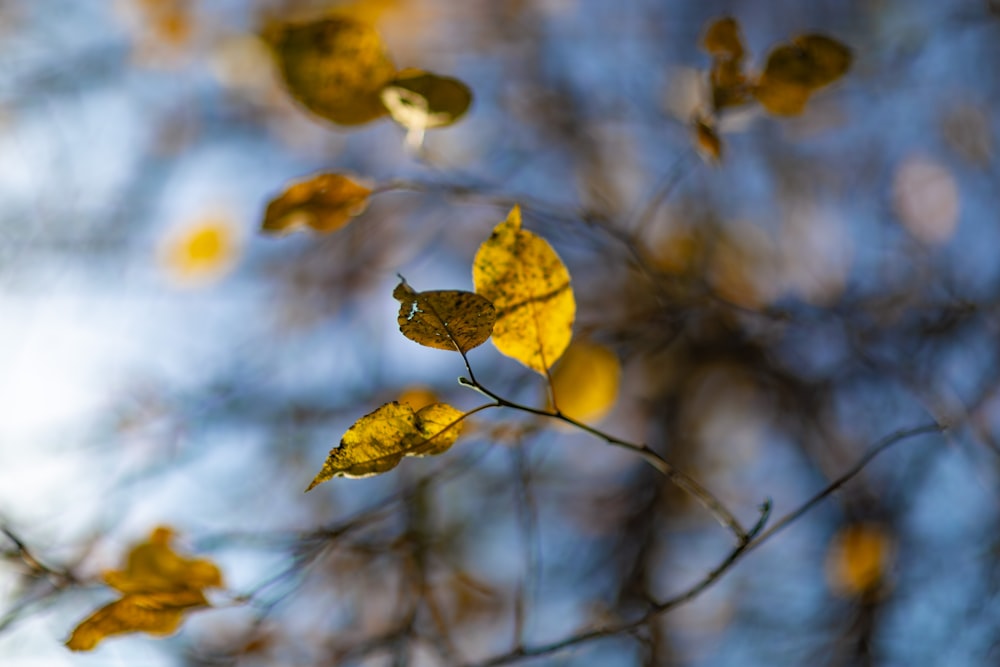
<point x="377" y="442"/>
<point x="530" y="287"/>
<point x="446" y="319"/>
<point x="324" y="203"/>
<point x="336" y="68"/>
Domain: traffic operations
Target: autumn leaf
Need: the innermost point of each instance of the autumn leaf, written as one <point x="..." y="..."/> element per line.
<point x="445" y="320"/>
<point x="324" y="203"/>
<point x="377" y="442"/>
<point x="585" y="381"/>
<point x="200" y="253"/>
<point x="795" y="71"/>
<point x="857" y="559"/>
<point x="336" y="68"/>
<point x="155" y="613"/>
<point x="417" y="397"/>
<point x="439" y="426"/>
<point x="727" y="78"/>
<point x="153" y="567"/>
<point x="159" y="586"/>
<point x="530" y="287"/>
<point x="722" y="38"/>
<point x="419" y="100"/>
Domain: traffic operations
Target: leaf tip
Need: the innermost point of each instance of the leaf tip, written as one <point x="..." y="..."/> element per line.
<point x="403" y="292"/>
<point x="514" y="217"/>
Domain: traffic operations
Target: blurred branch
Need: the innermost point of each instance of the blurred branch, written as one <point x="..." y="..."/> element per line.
<point x="756" y="537"/>
<point x="53" y="579"/>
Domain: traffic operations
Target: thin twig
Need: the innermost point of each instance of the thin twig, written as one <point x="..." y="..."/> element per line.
<point x="683" y="481"/>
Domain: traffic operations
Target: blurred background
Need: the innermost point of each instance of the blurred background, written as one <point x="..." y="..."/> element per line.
<point x="774" y="314"/>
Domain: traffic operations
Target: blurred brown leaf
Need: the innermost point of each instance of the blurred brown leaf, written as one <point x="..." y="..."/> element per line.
<point x="797" y="70"/>
<point x="324" y="203"/>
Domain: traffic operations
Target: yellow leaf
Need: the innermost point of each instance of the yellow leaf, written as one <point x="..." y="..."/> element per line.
<point x="158" y="585"/>
<point x="585" y="381"/>
<point x="530" y="287"/>
<point x="153" y="567"/>
<point x="377" y="442"/>
<point x="858" y="558"/>
<point x="336" y="68"/>
<point x="324" y="202"/>
<point x="417" y="397"/>
<point x="445" y="320"/>
<point x="439" y="428"/>
<point x="201" y="252"/>
<point x="419" y="100"/>
<point x="154" y="613"/>
<point x="723" y="38"/>
<point x="795" y="71"/>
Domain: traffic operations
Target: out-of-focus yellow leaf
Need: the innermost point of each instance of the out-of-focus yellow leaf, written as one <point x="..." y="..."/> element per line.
<point x="201" y="252"/>
<point x="707" y="140"/>
<point x="377" y="442"/>
<point x="858" y="558"/>
<point x="336" y="68"/>
<point x="154" y="613"/>
<point x="419" y="100"/>
<point x="438" y="427"/>
<point x="795" y="71"/>
<point x="153" y="567"/>
<point x="417" y="397"/>
<point x="723" y="38"/>
<point x="324" y="203"/>
<point x="446" y="319"/>
<point x="164" y="31"/>
<point x="585" y="381"/>
<point x="158" y="585"/>
<point x="530" y="287"/>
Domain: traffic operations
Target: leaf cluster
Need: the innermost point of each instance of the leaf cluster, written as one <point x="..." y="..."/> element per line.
<point x="793" y="72"/>
<point x="523" y="301"/>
